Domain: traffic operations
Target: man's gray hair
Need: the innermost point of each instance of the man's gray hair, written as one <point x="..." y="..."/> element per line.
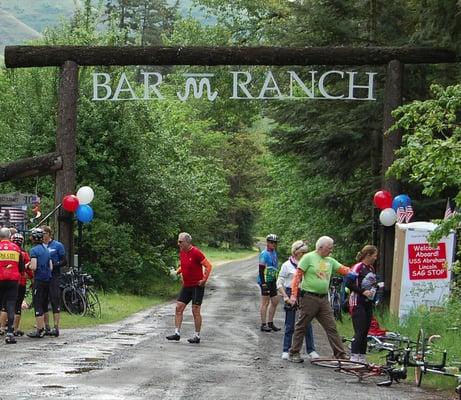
<point x="323" y="241"/>
<point x="5" y="233"/>
<point x="186" y="237"/>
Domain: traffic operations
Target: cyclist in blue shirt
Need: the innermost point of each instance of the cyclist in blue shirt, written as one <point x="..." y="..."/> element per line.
<point x="58" y="258"/>
<point x="267" y="279"/>
<point x="40" y="263"/>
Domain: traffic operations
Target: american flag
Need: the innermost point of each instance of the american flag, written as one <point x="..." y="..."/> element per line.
<point x="400" y="215"/>
<point x="448" y="210"/>
<point x="408" y="213"/>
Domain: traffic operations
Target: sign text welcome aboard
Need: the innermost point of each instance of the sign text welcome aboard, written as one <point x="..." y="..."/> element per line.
<point x="355" y="86"/>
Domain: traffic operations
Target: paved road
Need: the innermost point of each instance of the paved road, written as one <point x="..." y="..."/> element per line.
<point x="132" y="359"/>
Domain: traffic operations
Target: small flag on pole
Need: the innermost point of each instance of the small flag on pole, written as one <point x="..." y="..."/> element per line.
<point x="448" y="210"/>
<point x="400" y="215"/>
<point x="408" y="213"/>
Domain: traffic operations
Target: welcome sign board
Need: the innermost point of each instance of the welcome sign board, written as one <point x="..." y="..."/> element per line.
<point x="421" y="274"/>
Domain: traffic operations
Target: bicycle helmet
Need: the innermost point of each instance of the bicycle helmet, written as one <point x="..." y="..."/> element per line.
<point x="272" y="238"/>
<point x="18" y="239"/>
<point x="36" y="234"/>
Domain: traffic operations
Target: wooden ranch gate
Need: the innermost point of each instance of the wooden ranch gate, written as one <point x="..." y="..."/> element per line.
<point x="69" y="58"/>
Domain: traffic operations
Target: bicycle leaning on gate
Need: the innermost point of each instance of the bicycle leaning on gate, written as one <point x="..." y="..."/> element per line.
<point x="78" y="296"/>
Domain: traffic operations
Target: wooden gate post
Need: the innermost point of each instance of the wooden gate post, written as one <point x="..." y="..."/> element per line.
<point x="66" y="146"/>
<point x="391" y="142"/>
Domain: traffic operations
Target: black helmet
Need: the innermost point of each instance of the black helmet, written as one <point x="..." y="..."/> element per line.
<point x="18" y="239"/>
<point x="272" y="238"/>
<point x="36" y="234"/>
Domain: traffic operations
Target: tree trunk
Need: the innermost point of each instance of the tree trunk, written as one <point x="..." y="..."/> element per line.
<point x="33" y="166"/>
<point x="46" y="56"/>
<point x="66" y="144"/>
<point x="391" y="142"/>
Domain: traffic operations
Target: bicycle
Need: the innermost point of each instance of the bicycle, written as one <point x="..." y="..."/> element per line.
<point x="334" y="298"/>
<point x="364" y="370"/>
<point x="78" y="297"/>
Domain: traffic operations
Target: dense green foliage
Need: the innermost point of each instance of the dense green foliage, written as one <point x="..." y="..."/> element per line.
<point x="300" y="169"/>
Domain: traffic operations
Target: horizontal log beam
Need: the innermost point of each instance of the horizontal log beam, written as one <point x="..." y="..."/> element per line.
<point x="33" y="166"/>
<point x="48" y="56"/>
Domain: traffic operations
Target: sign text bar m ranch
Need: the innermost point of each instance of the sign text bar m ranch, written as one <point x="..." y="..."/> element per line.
<point x="242" y="86"/>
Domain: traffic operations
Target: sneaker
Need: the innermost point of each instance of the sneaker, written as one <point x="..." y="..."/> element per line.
<point x="296" y="358"/>
<point x="363" y="359"/>
<point x="313" y="355"/>
<point x="37" y="334"/>
<point x="18" y="333"/>
<point x="10" y="339"/>
<point x="265" y="328"/>
<point x="48" y="332"/>
<point x="285" y="355"/>
<point x="355" y="357"/>
<point x="174" y="336"/>
<point x="54" y="332"/>
<point x="273" y="327"/>
<point x="194" y="339"/>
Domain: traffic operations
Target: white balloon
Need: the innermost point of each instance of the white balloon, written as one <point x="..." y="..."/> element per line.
<point x="388" y="217"/>
<point x="85" y="195"/>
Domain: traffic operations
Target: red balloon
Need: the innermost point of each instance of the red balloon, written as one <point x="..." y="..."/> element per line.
<point x="382" y="199"/>
<point x="70" y="203"/>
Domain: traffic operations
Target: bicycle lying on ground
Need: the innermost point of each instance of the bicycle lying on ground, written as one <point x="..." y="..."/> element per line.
<point x="78" y="296"/>
<point x="426" y="363"/>
<point x="395" y="367"/>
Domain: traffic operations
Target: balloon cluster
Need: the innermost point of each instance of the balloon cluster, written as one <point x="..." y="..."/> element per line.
<point x="79" y="204"/>
<point x="391" y="208"/>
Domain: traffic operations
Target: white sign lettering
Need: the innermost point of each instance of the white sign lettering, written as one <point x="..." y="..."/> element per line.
<point x="329" y="85"/>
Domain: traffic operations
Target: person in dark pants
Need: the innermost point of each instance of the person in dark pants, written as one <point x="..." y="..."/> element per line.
<point x="40" y="263"/>
<point x="11" y="266"/>
<point x="363" y="290"/>
<point x="18" y="239"/>
<point x="313" y="277"/>
<point x="267" y="280"/>
<point x="287" y="271"/>
<point x="58" y="258"/>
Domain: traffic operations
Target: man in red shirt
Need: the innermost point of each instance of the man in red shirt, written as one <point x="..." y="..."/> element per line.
<point x="11" y="265"/>
<point x="191" y="264"/>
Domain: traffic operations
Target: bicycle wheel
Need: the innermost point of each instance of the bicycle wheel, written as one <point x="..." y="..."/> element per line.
<point x="419" y="357"/>
<point x="73" y="300"/>
<point x="335" y="304"/>
<point x="93" y="306"/>
<point x="335" y="363"/>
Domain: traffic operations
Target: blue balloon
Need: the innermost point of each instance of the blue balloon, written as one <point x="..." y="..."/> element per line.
<point x="402" y="200"/>
<point x="84" y="213"/>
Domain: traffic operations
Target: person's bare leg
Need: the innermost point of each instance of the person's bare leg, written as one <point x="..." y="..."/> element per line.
<point x="273" y="307"/>
<point x="197" y="318"/>
<point x="263" y="308"/>
<point x="178" y="316"/>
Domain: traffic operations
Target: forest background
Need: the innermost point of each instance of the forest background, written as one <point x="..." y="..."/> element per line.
<point x="227" y="171"/>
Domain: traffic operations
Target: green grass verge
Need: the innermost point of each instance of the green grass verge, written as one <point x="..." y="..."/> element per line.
<point x="114" y="307"/>
<point x="446" y="323"/>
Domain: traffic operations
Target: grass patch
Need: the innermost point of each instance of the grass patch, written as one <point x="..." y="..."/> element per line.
<point x="114" y="307"/>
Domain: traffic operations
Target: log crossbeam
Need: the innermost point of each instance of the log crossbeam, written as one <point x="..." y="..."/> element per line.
<point x="32" y="166"/>
<point x="48" y="56"/>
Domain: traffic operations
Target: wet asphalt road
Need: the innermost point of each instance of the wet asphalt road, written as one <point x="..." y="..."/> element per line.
<point x="132" y="359"/>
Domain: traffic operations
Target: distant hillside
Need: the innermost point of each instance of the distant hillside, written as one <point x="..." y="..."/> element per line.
<point x="38" y="14"/>
<point x="13" y="31"/>
<point x="22" y="20"/>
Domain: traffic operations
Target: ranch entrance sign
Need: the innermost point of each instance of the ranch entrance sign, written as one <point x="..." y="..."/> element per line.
<point x="241" y="86"/>
<point x="69" y="58"/>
